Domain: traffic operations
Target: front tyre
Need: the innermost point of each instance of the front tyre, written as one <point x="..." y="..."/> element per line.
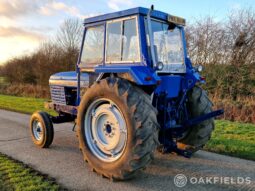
<point x="117" y="128"/>
<point x="41" y="129"/>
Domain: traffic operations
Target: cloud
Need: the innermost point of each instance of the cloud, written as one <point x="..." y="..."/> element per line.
<point x="117" y="4"/>
<point x="41" y="29"/>
<point x="235" y="6"/>
<point x="17" y="42"/>
<point x="54" y="7"/>
<point x="8" y="32"/>
<point x="90" y="15"/>
<point x="6" y="22"/>
<point x="15" y="8"/>
<point x="16" y="46"/>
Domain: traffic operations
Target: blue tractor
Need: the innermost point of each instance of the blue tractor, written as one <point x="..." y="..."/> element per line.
<point x="134" y="90"/>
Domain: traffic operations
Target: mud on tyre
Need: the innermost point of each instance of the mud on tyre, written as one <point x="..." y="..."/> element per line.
<point x="108" y="109"/>
<point x="197" y="136"/>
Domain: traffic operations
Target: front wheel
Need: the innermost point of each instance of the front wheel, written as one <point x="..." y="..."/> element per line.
<point x="41" y="129"/>
<point x="117" y="128"/>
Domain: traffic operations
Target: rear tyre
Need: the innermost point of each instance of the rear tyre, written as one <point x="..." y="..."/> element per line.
<point x="197" y="136"/>
<point x="117" y="128"/>
<point x="41" y="129"/>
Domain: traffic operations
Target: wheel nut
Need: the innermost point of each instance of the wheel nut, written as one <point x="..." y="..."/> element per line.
<point x="123" y="131"/>
<point x="112" y="152"/>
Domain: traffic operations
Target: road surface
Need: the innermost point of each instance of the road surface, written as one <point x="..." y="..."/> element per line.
<point x="64" y="162"/>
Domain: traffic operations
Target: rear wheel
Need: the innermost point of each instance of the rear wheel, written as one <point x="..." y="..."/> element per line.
<point x="41" y="129"/>
<point x="197" y="136"/>
<point x="117" y="128"/>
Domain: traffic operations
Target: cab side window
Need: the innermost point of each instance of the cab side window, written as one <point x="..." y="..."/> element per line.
<point x="114" y="40"/>
<point x="93" y="47"/>
<point x="122" y="44"/>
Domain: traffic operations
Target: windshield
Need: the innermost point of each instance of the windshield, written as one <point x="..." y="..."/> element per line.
<point x="167" y="42"/>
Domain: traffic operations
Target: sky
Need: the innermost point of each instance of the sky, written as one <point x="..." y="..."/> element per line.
<point x="24" y="24"/>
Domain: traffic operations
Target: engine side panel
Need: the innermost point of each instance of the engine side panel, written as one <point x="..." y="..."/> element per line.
<point x="63" y="87"/>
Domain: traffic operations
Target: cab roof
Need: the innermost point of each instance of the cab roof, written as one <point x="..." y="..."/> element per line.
<point x="129" y="12"/>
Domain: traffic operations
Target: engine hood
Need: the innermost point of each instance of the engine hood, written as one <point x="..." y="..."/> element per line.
<point x="68" y="79"/>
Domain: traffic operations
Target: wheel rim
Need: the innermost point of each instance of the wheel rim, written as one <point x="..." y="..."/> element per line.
<point x="105" y="130"/>
<point x="37" y="130"/>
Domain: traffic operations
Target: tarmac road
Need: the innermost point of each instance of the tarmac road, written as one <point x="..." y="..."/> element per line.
<point x="64" y="162"/>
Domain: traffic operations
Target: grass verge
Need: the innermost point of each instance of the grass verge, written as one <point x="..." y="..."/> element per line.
<point x="23" y="104"/>
<point x="16" y="176"/>
<point x="234" y="139"/>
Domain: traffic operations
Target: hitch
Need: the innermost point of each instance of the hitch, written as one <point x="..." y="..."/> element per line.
<point x="171" y="146"/>
<point x="201" y="118"/>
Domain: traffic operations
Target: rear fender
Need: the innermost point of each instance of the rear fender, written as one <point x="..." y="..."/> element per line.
<point x="140" y="75"/>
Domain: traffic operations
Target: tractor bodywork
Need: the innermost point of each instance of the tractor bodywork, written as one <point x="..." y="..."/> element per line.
<point x="145" y="47"/>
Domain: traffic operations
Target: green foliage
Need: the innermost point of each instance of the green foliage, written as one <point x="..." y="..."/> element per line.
<point x="15" y="176"/>
<point x="233" y="138"/>
<point x="22" y="104"/>
<point x="229" y="81"/>
<point x="3" y="81"/>
<point x="25" y="90"/>
<point x="39" y="66"/>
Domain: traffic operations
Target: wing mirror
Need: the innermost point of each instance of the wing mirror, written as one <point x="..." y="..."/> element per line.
<point x="199" y="68"/>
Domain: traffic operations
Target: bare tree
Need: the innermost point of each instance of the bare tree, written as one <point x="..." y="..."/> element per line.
<point x="206" y="41"/>
<point x="1" y="70"/>
<point x="70" y="34"/>
<point x="241" y="30"/>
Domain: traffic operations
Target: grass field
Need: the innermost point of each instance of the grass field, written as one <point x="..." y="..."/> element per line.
<point x="230" y="138"/>
<point x="15" y="176"/>
<point x="234" y="139"/>
<point x="22" y="104"/>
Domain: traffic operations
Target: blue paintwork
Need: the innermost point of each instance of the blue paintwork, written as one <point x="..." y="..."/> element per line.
<point x="170" y="90"/>
<point x="134" y="11"/>
<point x="138" y="73"/>
<point x="170" y="85"/>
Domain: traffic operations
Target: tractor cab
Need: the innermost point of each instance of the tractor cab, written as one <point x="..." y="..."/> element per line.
<point x="128" y="40"/>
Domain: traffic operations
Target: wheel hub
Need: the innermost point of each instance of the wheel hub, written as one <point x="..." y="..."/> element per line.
<point x="37" y="130"/>
<point x="108" y="128"/>
<point x="105" y="130"/>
